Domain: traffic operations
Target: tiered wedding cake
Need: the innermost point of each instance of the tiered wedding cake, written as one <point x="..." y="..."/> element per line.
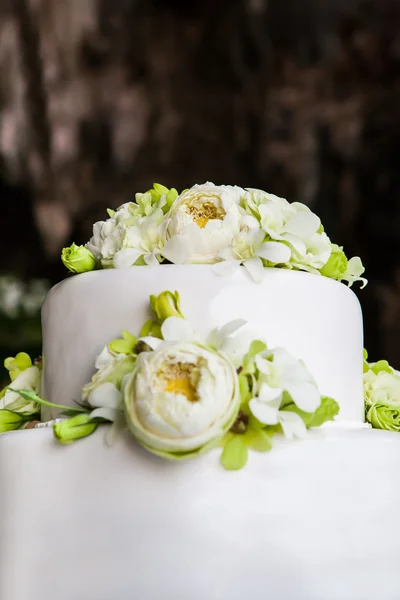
<point x="213" y="390"/>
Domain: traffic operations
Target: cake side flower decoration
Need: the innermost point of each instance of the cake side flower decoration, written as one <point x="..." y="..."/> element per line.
<point x="17" y="409"/>
<point x="225" y="226"/>
<point x="382" y="395"/>
<point x="181" y="394"/>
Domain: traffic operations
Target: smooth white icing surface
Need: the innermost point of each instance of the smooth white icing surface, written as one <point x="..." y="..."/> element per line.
<point x="311" y="520"/>
<point x="314" y="318"/>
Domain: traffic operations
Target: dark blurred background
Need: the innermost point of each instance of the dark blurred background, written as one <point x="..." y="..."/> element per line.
<point x="101" y="98"/>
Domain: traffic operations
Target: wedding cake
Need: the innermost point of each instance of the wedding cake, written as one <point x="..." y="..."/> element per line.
<point x="203" y="423"/>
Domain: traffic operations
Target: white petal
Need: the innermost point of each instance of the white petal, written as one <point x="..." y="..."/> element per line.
<point x="255" y="268"/>
<point x="176" y="250"/>
<point x="226" y="267"/>
<point x="237" y="346"/>
<point x="263" y="412"/>
<point x="175" y="329"/>
<point x="114" y="432"/>
<point x="104" y="358"/>
<point x="105" y="396"/>
<point x="133" y="236"/>
<point x="250" y="222"/>
<point x="126" y="257"/>
<point x="304" y="394"/>
<point x="297" y="244"/>
<point x="219" y="334"/>
<point x="263" y="365"/>
<point x="111" y="414"/>
<point x="270" y="395"/>
<point x="151" y="341"/>
<point x="151" y="260"/>
<point x="292" y="425"/>
<point x="304" y="224"/>
<point x="275" y="252"/>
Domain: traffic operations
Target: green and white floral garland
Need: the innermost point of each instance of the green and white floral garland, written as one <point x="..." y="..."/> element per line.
<point x="181" y="396"/>
<point x="226" y="226"/>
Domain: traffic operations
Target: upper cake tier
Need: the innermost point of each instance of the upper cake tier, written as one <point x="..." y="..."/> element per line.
<point x="315" y="318"/>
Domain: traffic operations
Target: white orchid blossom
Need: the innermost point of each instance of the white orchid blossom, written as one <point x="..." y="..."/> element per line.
<point x="250" y="249"/>
<point x="293" y="225"/>
<point x="280" y="372"/>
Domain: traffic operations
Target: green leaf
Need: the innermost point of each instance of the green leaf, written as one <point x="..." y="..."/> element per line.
<point x="235" y="453"/>
<point x="381" y="365"/>
<point x="160" y="189"/>
<point x="151" y="328"/>
<point x="124" y="346"/>
<point x="327" y="410"/>
<point x="244" y="389"/>
<point x="256" y="347"/>
<point x="365" y="354"/>
<point x="110" y="212"/>
<point x="257" y="440"/>
<point x="271" y="430"/>
<point x="32" y="397"/>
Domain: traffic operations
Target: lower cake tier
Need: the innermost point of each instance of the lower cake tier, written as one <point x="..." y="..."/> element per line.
<point x="312" y="520"/>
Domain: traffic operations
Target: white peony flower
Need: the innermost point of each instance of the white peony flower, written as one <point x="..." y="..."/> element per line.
<point x="249" y="249"/>
<point x="280" y="372"/>
<point x="202" y="222"/>
<point x="108" y="238"/>
<point x="182" y="397"/>
<point x="144" y="240"/>
<point x="28" y="379"/>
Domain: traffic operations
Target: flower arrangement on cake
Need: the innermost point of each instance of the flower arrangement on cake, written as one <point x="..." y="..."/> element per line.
<point x="226" y="226"/>
<point x="179" y="393"/>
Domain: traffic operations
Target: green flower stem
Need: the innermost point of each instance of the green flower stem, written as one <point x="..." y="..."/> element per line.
<point x="31" y="396"/>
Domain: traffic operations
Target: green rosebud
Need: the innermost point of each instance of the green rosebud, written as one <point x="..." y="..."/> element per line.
<point x="337" y="263"/>
<point x="385" y="416"/>
<point x="78" y="259"/>
<point x="67" y="432"/>
<point x="9" y="420"/>
<point x="166" y="304"/>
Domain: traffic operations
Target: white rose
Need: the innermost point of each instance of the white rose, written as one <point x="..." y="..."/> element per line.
<point x="383" y="387"/>
<point x="202" y="222"/>
<point x="181" y="399"/>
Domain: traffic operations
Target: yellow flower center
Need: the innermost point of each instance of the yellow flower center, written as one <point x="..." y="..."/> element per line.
<point x="181" y="378"/>
<point x="202" y="212"/>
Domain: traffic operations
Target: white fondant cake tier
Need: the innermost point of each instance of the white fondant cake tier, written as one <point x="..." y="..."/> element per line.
<point x="313" y="317"/>
<point x="311" y="520"/>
